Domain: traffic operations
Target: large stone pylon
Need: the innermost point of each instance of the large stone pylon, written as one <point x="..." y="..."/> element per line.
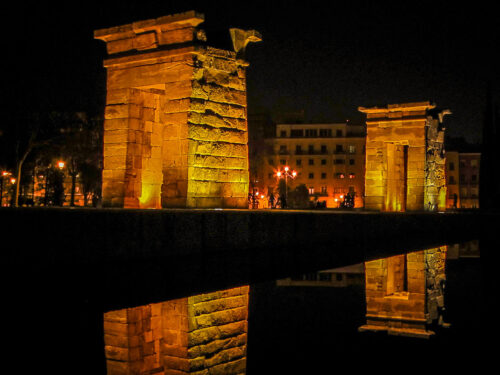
<point x="175" y="129"/>
<point x="405" y="157"/>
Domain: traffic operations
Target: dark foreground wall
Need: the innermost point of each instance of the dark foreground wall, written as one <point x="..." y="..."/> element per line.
<point x="125" y="258"/>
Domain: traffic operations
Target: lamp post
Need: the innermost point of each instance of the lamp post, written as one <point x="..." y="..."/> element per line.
<point x="286" y="173"/>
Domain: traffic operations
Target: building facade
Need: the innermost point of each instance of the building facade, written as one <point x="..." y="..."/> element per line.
<point x="328" y="160"/>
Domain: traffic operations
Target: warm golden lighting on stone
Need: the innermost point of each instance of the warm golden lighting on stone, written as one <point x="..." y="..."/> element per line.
<point x="405" y="157"/>
<point x="206" y="333"/>
<point x="175" y="131"/>
<point x="405" y="293"/>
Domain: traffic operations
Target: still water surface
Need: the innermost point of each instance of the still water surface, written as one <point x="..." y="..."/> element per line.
<point x="314" y="330"/>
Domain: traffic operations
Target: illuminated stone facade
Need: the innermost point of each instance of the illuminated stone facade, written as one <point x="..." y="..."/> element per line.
<point x="405" y="293"/>
<point x="175" y="129"/>
<point x="405" y="157"/>
<point x="175" y="135"/>
<point x="204" y="334"/>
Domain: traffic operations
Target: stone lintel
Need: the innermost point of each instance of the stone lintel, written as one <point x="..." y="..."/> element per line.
<point x="406" y="332"/>
<point x="403" y="107"/>
<point x="388" y="121"/>
<point x="149" y="58"/>
<point x="166" y="55"/>
<point x="170" y="22"/>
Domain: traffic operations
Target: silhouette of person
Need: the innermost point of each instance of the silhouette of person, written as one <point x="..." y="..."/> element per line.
<point x="271" y="199"/>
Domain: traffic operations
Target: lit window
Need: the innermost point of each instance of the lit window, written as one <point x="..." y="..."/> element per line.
<point x="352" y="149"/>
<point x="311" y="190"/>
<point x="339" y="175"/>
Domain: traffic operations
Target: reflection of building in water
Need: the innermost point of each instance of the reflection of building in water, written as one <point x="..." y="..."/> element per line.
<point x="338" y="277"/>
<point x="405" y="293"/>
<point x="469" y="249"/>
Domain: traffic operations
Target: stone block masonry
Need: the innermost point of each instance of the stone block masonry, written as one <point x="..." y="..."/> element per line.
<point x="405" y="157"/>
<point x="404" y="293"/>
<point x="175" y="132"/>
<point x="175" y="135"/>
<point x="203" y="334"/>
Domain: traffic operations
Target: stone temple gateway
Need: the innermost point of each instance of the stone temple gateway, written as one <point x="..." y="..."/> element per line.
<point x="175" y="135"/>
<point x="175" y="129"/>
<point x="405" y="157"/>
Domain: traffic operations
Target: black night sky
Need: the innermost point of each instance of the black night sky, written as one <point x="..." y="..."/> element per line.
<point x="324" y="59"/>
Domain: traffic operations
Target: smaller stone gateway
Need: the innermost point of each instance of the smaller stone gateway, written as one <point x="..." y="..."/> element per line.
<point x="405" y="157"/>
<point x="175" y="129"/>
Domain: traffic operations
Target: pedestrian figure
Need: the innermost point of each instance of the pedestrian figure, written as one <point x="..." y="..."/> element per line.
<point x="455" y="199"/>
<point x="271" y="199"/>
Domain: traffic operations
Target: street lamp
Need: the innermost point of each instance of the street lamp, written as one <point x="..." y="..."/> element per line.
<point x="286" y="173"/>
<point x="60" y="164"/>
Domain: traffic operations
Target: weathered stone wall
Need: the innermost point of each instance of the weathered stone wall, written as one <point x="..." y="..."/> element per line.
<point x="435" y="172"/>
<point x="175" y="120"/>
<point x="404" y="158"/>
<point x="202" y="334"/>
<point x="217" y="150"/>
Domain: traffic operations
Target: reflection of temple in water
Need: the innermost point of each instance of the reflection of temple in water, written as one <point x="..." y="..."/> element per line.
<point x="405" y="293"/>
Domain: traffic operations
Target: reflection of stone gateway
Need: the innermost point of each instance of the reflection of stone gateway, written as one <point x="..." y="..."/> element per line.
<point x="175" y="131"/>
<point x="404" y="293"/>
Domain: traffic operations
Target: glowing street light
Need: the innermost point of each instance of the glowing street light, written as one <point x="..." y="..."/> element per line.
<point x="60" y="164"/>
<point x="287" y="173"/>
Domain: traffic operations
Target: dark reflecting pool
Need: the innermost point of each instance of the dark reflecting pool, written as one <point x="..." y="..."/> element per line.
<point x="309" y="325"/>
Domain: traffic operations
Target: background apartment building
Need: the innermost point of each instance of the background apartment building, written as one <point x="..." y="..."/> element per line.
<point x="328" y="158"/>
<point x="462" y="173"/>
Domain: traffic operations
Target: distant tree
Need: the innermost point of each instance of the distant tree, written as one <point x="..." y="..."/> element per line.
<point x="300" y="197"/>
